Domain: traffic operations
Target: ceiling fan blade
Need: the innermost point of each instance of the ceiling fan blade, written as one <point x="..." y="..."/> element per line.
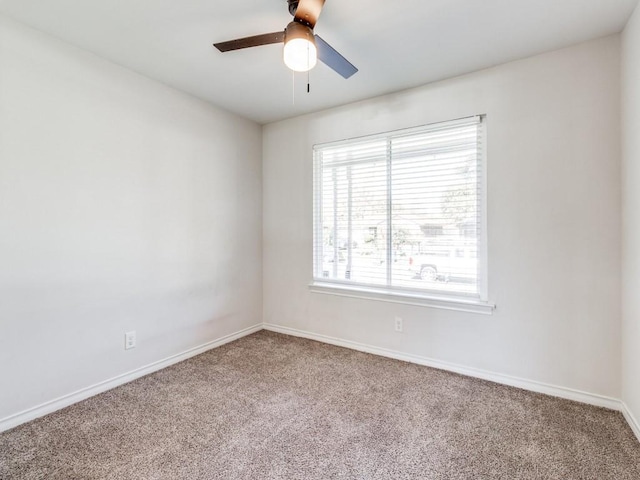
<point x="255" y="41"/>
<point x="308" y="12"/>
<point x="330" y="57"/>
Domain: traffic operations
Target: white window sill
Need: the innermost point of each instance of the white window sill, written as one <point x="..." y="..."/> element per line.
<point x="460" y="304"/>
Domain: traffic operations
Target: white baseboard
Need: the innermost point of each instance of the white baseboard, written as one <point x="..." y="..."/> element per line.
<point x="631" y="420"/>
<point x="84" y="393"/>
<point x="534" y="386"/>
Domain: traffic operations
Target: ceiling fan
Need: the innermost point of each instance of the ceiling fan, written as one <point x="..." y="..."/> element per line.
<point x="302" y="48"/>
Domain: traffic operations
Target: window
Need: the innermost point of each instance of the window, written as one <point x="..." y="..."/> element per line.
<point x="403" y="213"/>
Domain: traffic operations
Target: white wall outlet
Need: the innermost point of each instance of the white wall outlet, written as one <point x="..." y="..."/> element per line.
<point x="398" y="324"/>
<point x="129" y="340"/>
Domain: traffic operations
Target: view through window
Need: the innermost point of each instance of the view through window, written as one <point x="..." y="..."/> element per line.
<point x="403" y="211"/>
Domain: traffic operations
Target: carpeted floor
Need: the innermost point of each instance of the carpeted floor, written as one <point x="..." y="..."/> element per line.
<point x="270" y="406"/>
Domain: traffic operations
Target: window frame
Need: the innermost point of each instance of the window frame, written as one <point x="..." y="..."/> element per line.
<point x="474" y="303"/>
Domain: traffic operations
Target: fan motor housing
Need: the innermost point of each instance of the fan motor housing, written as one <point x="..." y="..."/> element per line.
<point x="298" y="30"/>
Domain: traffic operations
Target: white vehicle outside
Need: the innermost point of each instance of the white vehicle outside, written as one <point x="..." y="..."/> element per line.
<point x="456" y="263"/>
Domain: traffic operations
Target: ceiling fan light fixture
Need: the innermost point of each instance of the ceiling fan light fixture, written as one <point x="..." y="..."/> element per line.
<point x="300" y="53"/>
<point x="302" y="48"/>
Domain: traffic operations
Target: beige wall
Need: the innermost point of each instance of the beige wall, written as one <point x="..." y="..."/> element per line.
<point x="553" y="213"/>
<point x="124" y="205"/>
<point x="631" y="216"/>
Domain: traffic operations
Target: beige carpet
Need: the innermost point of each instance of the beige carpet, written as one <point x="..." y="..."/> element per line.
<point x="270" y="406"/>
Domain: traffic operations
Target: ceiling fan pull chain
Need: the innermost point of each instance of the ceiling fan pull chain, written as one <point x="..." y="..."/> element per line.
<point x="308" y="61"/>
<point x="308" y="81"/>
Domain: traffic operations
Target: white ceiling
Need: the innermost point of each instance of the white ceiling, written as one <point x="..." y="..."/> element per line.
<point x="395" y="44"/>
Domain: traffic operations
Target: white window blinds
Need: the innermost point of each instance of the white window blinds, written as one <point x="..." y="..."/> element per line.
<point x="403" y="210"/>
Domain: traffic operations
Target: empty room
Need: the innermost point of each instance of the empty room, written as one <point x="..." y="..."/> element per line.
<point x="318" y="239"/>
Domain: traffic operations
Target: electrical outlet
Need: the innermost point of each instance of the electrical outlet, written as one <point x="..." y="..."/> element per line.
<point x="129" y="340"/>
<point x="398" y="324"/>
